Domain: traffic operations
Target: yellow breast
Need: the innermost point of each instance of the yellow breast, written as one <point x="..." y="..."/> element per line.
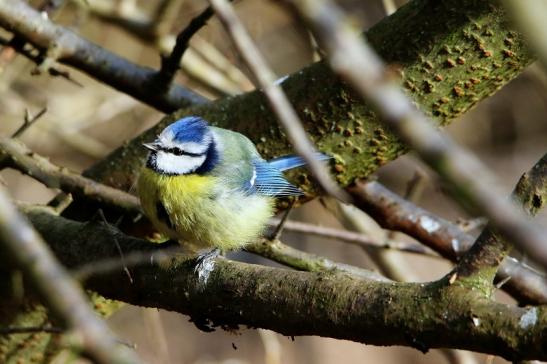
<point x="202" y="211"/>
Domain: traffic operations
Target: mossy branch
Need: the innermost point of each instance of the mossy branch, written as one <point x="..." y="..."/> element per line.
<point x="303" y="303"/>
<point x="449" y="54"/>
<point x="480" y="264"/>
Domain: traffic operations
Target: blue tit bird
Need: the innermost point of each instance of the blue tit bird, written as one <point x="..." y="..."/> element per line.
<point x="209" y="188"/>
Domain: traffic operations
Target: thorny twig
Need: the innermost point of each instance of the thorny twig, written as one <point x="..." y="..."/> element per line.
<point x="28" y="121"/>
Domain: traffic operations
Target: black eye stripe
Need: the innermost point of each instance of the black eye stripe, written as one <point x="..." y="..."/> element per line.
<point x="180" y="152"/>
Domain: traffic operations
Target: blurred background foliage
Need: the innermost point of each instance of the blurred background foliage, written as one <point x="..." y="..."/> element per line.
<point x="85" y="120"/>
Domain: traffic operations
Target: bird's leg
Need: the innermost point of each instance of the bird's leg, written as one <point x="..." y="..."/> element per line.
<point x="205" y="263"/>
<point x="279" y="228"/>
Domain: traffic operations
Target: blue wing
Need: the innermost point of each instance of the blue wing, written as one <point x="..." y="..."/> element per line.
<point x="292" y="161"/>
<point x="268" y="178"/>
<point x="269" y="181"/>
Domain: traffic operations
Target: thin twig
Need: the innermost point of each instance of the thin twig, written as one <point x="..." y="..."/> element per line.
<point x="281" y="223"/>
<point x="21" y="158"/>
<point x="356" y="61"/>
<point x="100" y="213"/>
<point x="8" y="53"/>
<point x="164" y="14"/>
<point x="171" y="64"/>
<point x="30" y="330"/>
<point x="61" y="293"/>
<point x="278" y="100"/>
<point x="28" y="121"/>
<point x="358" y="239"/>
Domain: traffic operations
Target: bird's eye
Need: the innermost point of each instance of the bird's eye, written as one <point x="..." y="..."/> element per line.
<point x="175" y="151"/>
<point x="180" y="152"/>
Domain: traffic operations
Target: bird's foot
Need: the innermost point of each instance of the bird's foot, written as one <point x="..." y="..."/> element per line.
<point x="205" y="264"/>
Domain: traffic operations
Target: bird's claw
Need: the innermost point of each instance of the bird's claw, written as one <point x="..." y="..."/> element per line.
<point x="205" y="264"/>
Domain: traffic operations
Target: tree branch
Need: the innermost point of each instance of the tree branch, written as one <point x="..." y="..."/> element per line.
<point x="64" y="297"/>
<point x="395" y="213"/>
<point x="471" y="181"/>
<point x="354" y="238"/>
<point x="301" y="303"/>
<point x="113" y="70"/>
<point x="337" y="120"/>
<point x="481" y="262"/>
<point x="18" y="156"/>
<point x="221" y="74"/>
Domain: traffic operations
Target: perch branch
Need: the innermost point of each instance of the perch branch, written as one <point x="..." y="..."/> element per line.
<point x="303" y="303"/>
<point x="41" y="169"/>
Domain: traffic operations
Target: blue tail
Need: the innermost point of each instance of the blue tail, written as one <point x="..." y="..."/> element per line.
<point x="293" y="161"/>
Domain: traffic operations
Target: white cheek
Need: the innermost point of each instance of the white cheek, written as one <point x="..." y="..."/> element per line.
<point x="178" y="164"/>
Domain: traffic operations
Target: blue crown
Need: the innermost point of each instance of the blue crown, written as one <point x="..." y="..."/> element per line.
<point x="188" y="129"/>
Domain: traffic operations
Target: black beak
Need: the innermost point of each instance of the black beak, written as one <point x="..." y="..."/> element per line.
<point x="151" y="146"/>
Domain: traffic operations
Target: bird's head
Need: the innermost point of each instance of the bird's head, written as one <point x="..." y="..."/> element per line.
<point x="186" y="146"/>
